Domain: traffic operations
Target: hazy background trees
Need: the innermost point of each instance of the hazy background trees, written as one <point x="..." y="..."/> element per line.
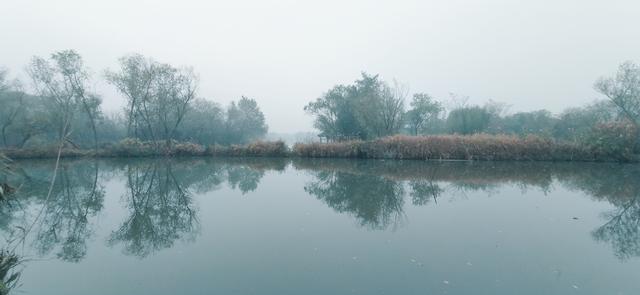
<point x="158" y="96"/>
<point x="162" y="105"/>
<point x="424" y="112"/>
<point x="371" y="108"/>
<point x="366" y="109"/>
<point x="62" y="82"/>
<point x="245" y="122"/>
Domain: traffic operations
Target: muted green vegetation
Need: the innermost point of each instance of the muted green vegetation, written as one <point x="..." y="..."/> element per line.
<point x="162" y="107"/>
<point x="371" y="108"/>
<point x="164" y="115"/>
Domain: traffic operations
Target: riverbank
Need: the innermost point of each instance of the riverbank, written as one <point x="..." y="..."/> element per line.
<point x="480" y="147"/>
<point x="438" y="147"/>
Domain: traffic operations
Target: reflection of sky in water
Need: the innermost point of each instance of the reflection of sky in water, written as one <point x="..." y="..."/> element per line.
<point x="269" y="226"/>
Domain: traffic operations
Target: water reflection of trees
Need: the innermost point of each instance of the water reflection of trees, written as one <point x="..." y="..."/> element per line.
<point x="620" y="186"/>
<point x="374" y="201"/>
<point x="160" y="207"/>
<point x="62" y="226"/>
<point x="158" y="198"/>
<point x="373" y="191"/>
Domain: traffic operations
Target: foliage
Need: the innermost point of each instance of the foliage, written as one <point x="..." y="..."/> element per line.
<point x="245" y="122"/>
<point x="204" y="123"/>
<point x="158" y="96"/>
<point x="424" y="109"/>
<point x="468" y="120"/>
<point x="62" y="82"/>
<point x="539" y="123"/>
<point x="575" y="124"/>
<point x="618" y="140"/>
<point x="368" y="108"/>
<point x="255" y="149"/>
<point x="623" y="90"/>
<point x="132" y="147"/>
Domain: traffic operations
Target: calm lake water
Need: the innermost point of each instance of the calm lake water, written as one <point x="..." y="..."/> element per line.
<point x="277" y="226"/>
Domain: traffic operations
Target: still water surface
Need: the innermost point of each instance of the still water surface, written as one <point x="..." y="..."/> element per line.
<point x="277" y="226"/>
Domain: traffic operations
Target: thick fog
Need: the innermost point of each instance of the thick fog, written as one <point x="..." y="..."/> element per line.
<point x="528" y="54"/>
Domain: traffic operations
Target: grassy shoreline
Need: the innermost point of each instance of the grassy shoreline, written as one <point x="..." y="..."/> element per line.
<point x="441" y="147"/>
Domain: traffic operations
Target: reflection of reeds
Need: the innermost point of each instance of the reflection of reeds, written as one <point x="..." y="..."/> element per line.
<point x="8" y="274"/>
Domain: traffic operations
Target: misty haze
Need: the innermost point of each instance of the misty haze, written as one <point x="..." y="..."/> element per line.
<point x="328" y="147"/>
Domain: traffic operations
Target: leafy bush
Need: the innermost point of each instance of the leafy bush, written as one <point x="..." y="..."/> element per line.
<point x="45" y="152"/>
<point x="617" y="140"/>
<point x="132" y="147"/>
<point x="256" y="149"/>
<point x="346" y="149"/>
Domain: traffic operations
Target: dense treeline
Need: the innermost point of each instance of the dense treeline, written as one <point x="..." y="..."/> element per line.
<point x="162" y="106"/>
<point x="371" y="108"/>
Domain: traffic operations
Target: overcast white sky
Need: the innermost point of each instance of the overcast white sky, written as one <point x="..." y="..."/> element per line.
<point x="529" y="54"/>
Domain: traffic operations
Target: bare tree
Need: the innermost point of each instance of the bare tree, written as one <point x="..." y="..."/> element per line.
<point x="392" y="107"/>
<point x="12" y="100"/>
<point x="623" y="90"/>
<point x="134" y="81"/>
<point x="64" y="81"/>
<point x="175" y="89"/>
<point x="158" y="96"/>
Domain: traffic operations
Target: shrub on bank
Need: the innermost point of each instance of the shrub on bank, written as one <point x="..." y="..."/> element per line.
<point x="132" y="147"/>
<point x="255" y="149"/>
<point x="618" y="140"/>
<point x="347" y="149"/>
<point x="45" y="152"/>
<point x="451" y="147"/>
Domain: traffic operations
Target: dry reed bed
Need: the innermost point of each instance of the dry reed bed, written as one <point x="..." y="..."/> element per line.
<point x="441" y="147"/>
<point x="452" y="147"/>
<point x="135" y="148"/>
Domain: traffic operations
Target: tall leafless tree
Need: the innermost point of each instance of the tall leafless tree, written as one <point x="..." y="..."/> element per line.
<point x="623" y="90"/>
